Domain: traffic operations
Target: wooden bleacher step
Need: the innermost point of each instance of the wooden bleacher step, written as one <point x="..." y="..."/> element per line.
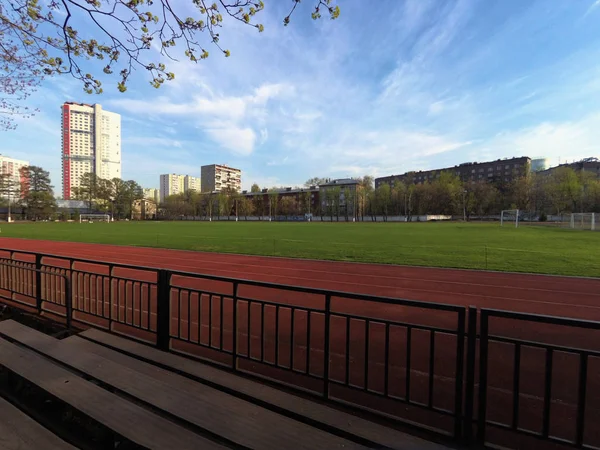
<point x="132" y="422"/>
<point x="256" y="392"/>
<point x="18" y="431"/>
<point x="235" y="420"/>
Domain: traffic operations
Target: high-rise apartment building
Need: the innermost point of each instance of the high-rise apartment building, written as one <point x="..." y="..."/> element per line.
<point x="12" y="167"/>
<point x="152" y="194"/>
<point x="216" y="177"/>
<point x="171" y="184"/>
<point x="91" y="143"/>
<point x="191" y="184"/>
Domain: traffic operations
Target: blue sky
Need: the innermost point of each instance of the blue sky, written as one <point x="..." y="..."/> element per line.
<point x="394" y="86"/>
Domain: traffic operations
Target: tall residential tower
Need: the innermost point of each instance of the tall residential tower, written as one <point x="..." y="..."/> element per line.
<point x="91" y="143"/>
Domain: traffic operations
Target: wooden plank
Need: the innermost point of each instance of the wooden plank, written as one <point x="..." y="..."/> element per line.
<point x="18" y="431"/>
<point x="234" y="419"/>
<point x="125" y="418"/>
<point x="318" y="412"/>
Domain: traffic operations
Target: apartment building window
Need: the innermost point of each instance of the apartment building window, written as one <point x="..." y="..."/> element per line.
<point x="473" y="171"/>
<point x="507" y="166"/>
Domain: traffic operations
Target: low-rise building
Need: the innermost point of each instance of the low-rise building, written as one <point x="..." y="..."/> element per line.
<point x="588" y="165"/>
<point x="499" y="171"/>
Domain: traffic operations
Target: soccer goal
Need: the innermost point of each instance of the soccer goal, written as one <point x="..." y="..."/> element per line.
<point x="90" y="218"/>
<point x="583" y="221"/>
<point x="509" y="216"/>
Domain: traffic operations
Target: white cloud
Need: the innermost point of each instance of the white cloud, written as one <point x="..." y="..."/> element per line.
<point x="238" y="140"/>
<point x="571" y="140"/>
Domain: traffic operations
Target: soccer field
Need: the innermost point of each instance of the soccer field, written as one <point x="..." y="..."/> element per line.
<point x="473" y="246"/>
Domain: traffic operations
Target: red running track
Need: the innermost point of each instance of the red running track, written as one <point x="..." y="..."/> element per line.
<point x="550" y="295"/>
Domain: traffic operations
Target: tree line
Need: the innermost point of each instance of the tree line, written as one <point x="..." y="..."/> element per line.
<point x="115" y="197"/>
<point x="559" y="192"/>
<point x="32" y="197"/>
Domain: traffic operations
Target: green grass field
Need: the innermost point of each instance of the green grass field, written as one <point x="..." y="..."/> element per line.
<point x="472" y="246"/>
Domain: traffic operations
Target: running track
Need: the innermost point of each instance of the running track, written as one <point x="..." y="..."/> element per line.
<point x="561" y="296"/>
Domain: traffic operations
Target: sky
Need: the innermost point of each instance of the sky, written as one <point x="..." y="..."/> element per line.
<point x="391" y="86"/>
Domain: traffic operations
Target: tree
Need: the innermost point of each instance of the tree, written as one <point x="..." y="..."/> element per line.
<point x="255" y="188"/>
<point x="365" y="188"/>
<point x="246" y="207"/>
<point x="87" y="189"/>
<point x="125" y="33"/>
<point x="37" y="195"/>
<point x="315" y="181"/>
<point x="20" y="75"/>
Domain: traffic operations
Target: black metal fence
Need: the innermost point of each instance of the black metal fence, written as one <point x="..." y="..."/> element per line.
<point x="412" y="361"/>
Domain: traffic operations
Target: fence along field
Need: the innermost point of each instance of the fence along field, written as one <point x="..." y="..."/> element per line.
<point x="486" y="246"/>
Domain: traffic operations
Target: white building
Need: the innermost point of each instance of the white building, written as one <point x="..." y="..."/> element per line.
<point x="171" y="184"/>
<point x="12" y="167"/>
<point x="152" y="194"/>
<point x="191" y="184"/>
<point x="91" y="143"/>
<point x="216" y="177"/>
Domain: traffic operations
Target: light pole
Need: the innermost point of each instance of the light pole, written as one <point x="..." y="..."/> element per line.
<point x="464" y="205"/>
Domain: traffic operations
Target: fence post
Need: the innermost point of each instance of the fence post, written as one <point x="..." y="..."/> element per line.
<point x="38" y="282"/>
<point x="163" y="310"/>
<point x="470" y="382"/>
<point x="234" y="326"/>
<point x="483" y="370"/>
<point x="68" y="302"/>
<point x="326" y="349"/>
<point x="460" y="363"/>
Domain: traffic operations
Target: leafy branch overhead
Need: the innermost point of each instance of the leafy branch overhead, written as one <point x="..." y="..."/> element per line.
<point x="125" y="33"/>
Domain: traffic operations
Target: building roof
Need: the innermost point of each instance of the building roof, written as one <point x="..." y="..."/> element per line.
<point x="340" y="182"/>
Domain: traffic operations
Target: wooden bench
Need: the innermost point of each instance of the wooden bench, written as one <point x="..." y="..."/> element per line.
<point x="238" y="421"/>
<point x="123" y="417"/>
<point x="262" y="394"/>
<point x="18" y="431"/>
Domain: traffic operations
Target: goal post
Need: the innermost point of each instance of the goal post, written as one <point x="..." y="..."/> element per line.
<point x="92" y="217"/>
<point x="509" y="216"/>
<point x="583" y="221"/>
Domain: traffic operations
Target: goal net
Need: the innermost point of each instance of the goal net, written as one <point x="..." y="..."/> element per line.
<point x="94" y="217"/>
<point x="509" y="217"/>
<point x="583" y="221"/>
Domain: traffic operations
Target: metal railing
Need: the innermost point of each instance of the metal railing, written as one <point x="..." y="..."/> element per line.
<point x="547" y="378"/>
<point x="417" y="362"/>
<point x="26" y="284"/>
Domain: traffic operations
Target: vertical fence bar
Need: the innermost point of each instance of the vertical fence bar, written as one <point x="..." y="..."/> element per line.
<point x="110" y="298"/>
<point x="292" y="339"/>
<point x="408" y="359"/>
<point x="347" y="374"/>
<point x="163" y="310"/>
<point x="547" y="393"/>
<point x="366" y="376"/>
<point x="582" y="391"/>
<point x="277" y="335"/>
<point x="431" y="366"/>
<point x="68" y="302"/>
<point x="308" y="342"/>
<point x="234" y="327"/>
<point x="516" y="386"/>
<point x="38" y="282"/>
<point x="386" y="361"/>
<point x="327" y="346"/>
<point x="483" y="374"/>
<point x="460" y="366"/>
<point x="470" y="378"/>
